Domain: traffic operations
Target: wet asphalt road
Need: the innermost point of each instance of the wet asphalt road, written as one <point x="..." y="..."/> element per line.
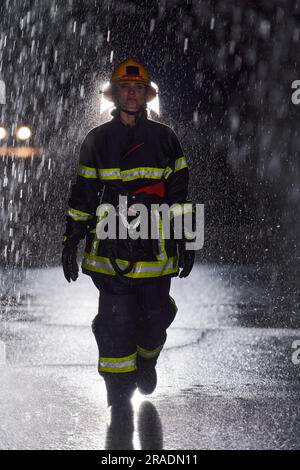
<point x="226" y="375"/>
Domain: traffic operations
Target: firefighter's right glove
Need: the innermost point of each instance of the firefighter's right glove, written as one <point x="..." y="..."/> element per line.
<point x="186" y="260"/>
<point x="69" y="262"/>
<point x="75" y="231"/>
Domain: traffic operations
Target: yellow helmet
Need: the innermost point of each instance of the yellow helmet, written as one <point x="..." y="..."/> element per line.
<point x="133" y="71"/>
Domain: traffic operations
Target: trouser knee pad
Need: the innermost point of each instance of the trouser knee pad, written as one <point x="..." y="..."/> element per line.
<point x="114" y="330"/>
<point x="115" y="312"/>
<point x="158" y="319"/>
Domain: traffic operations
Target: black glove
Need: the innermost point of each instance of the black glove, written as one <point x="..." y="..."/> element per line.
<point x="69" y="262"/>
<point x="186" y="260"/>
<point x="75" y="231"/>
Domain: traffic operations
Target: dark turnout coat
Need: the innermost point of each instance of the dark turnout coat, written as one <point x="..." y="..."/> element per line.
<point x="123" y="158"/>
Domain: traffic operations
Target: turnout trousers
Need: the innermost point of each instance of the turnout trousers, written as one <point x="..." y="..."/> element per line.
<point x="130" y="329"/>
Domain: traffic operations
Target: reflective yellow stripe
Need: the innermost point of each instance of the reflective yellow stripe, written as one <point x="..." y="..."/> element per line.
<point x="141" y="269"/>
<point x="189" y="235"/>
<point x="97" y="266"/>
<point x="119" y="360"/>
<point x="95" y="243"/>
<point x="167" y="172"/>
<point x="180" y="163"/>
<point x="131" y="174"/>
<point x="75" y="214"/>
<point x="180" y="209"/>
<point x="110" y="174"/>
<point x="112" y="370"/>
<point x="149" y="354"/>
<point x="118" y="364"/>
<point x="162" y="255"/>
<point x="87" y="171"/>
<point x="142" y="172"/>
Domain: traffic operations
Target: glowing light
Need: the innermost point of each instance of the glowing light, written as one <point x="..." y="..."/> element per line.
<point x="23" y="133"/>
<point x="21" y="152"/>
<point x="154" y="104"/>
<point x="3" y="133"/>
<point x="104" y="103"/>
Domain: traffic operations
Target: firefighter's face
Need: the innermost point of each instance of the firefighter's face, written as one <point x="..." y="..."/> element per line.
<point x="131" y="95"/>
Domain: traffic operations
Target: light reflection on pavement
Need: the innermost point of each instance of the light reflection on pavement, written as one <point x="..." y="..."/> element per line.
<point x="226" y="378"/>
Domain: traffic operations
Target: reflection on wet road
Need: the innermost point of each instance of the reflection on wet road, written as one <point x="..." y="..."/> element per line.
<point x="226" y="376"/>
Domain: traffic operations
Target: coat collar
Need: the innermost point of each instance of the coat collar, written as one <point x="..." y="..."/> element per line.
<point x="116" y="118"/>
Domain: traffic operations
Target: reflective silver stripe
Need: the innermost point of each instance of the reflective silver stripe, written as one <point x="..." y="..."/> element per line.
<point x="87" y="172"/>
<point x="167" y="172"/>
<point x="180" y="163"/>
<point x="180" y="209"/>
<point x="162" y="255"/>
<point x="151" y="269"/>
<point x="110" y="173"/>
<point x="135" y="173"/>
<point x="78" y="215"/>
<point x="187" y="207"/>
<point x="140" y="268"/>
<point x="175" y="211"/>
<point x="117" y="365"/>
<point x="104" y="265"/>
<point x="189" y="235"/>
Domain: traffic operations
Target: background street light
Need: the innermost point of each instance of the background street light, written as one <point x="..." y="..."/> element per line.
<point x="23" y="133"/>
<point x="3" y="133"/>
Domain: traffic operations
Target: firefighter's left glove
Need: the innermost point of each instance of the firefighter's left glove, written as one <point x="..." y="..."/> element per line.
<point x="69" y="262"/>
<point x="186" y="260"/>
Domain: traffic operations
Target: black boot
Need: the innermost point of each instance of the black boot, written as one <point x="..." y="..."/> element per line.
<point x="146" y="376"/>
<point x="119" y="388"/>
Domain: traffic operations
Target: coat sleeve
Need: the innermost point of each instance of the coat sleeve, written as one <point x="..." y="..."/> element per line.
<point x="177" y="182"/>
<point x="84" y="197"/>
<point x="176" y="172"/>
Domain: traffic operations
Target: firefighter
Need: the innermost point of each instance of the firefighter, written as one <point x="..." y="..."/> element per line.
<point x="141" y="159"/>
